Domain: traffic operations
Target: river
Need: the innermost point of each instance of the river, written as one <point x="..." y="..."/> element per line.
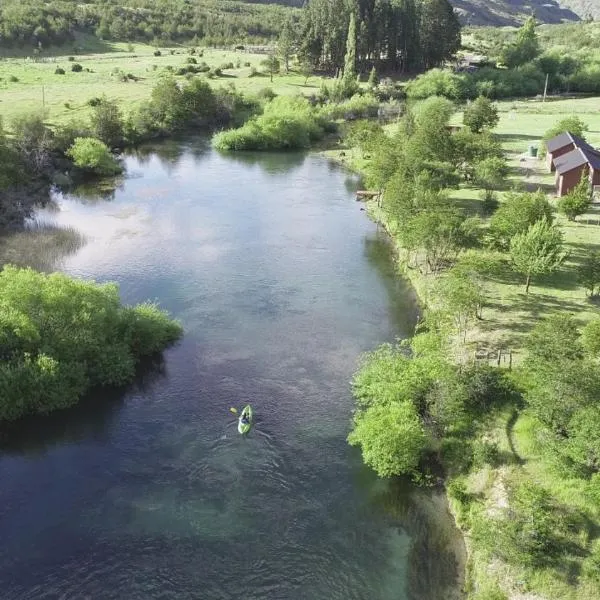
<point x="281" y="282"/>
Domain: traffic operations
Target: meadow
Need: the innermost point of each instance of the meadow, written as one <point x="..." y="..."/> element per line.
<point x="105" y="67"/>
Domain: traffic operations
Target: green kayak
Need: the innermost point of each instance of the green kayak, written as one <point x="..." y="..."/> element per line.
<point x="245" y="420"/>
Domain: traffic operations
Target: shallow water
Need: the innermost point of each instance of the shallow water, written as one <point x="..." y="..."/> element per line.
<point x="281" y="282"/>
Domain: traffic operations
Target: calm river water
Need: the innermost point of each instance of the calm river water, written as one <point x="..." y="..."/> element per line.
<point x="281" y="282"/>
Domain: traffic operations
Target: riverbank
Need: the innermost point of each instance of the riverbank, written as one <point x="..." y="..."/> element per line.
<point x="508" y="317"/>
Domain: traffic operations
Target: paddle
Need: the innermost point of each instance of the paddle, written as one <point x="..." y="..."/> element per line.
<point x="234" y="410"/>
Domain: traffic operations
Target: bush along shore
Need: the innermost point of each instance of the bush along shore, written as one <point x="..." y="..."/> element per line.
<point x="60" y="337"/>
<point x="36" y="156"/>
<point x="518" y="448"/>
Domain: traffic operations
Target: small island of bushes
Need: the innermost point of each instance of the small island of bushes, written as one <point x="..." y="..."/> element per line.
<point x="60" y="337"/>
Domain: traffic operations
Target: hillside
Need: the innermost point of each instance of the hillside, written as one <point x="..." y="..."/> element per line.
<point x="512" y="12"/>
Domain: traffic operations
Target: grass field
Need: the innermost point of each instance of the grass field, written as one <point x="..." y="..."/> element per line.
<point x="509" y="313"/>
<point x="64" y="97"/>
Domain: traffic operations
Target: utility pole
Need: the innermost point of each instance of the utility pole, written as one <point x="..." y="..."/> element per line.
<point x="545" y="88"/>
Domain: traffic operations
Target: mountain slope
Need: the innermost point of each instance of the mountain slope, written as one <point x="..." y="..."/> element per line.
<point x="513" y="12"/>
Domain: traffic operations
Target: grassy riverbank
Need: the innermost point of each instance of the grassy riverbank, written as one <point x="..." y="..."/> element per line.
<point x="508" y="317"/>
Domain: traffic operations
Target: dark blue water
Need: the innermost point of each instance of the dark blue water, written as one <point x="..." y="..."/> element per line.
<point x="281" y="282"/>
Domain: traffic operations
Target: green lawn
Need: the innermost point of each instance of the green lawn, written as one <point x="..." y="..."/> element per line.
<point x="64" y="97"/>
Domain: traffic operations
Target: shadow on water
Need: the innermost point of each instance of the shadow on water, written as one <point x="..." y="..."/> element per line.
<point x="380" y="253"/>
<point x="91" y="419"/>
<point x="39" y="245"/>
<point x="437" y="554"/>
<point x="170" y="152"/>
<point x="272" y="163"/>
<point x="93" y="191"/>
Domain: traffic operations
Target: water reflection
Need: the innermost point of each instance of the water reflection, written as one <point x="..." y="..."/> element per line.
<point x="437" y="553"/>
<point x="380" y="253"/>
<point x="170" y="152"/>
<point x="269" y="162"/>
<point x="91" y="419"/>
<point x="93" y="191"/>
<point x="41" y="246"/>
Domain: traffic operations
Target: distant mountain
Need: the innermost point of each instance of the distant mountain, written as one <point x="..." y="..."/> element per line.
<point x="507" y="12"/>
<point x="513" y="12"/>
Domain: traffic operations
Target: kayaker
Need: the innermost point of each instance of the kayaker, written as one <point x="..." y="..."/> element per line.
<point x="245" y="420"/>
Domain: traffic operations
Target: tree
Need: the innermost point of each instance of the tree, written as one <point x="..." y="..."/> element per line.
<point x="60" y="336"/>
<point x="34" y="142"/>
<point x="578" y="200"/>
<point x="516" y="214"/>
<point x="481" y="114"/>
<point x="588" y="273"/>
<point x="391" y="438"/>
<point x="373" y="79"/>
<point x="572" y="125"/>
<point x="490" y="173"/>
<point x="463" y="297"/>
<point x="537" y="251"/>
<point x="590" y="337"/>
<point x="526" y="47"/>
<point x="272" y="65"/>
<point x="107" y="122"/>
<point x="285" y="44"/>
<point x="306" y="69"/>
<point x="93" y="156"/>
<point x="350" y="57"/>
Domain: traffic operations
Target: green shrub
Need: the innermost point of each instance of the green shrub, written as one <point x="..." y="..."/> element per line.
<point x="76" y="68"/>
<point x="92" y="155"/>
<point x="357" y="107"/>
<point x="157" y="53"/>
<point x="286" y="123"/>
<point x="439" y="82"/>
<point x="13" y="79"/>
<point x="59" y="71"/>
<point x="60" y="336"/>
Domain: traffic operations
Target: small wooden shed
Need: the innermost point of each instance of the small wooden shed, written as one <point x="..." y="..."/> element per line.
<point x="562" y="144"/>
<point x="570" y="166"/>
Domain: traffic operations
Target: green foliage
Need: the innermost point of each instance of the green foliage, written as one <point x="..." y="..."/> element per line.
<point x="373" y="80"/>
<point x="578" y="200"/>
<point x="537" y="251"/>
<point x="93" y="156"/>
<point x="59" y="337"/>
<point x="356" y="107"/>
<point x="463" y="295"/>
<point x="76" y="68"/>
<point x="572" y="125"/>
<point x="391" y="438"/>
<point x="516" y="214"/>
<point x="286" y="43"/>
<point x="271" y="64"/>
<point x="286" y="123"/>
<point x="150" y="21"/>
<point x="590" y="336"/>
<point x="526" y="47"/>
<point x="481" y="114"/>
<point x="107" y="122"/>
<point x="534" y="531"/>
<point x="350" y="57"/>
<point x="428" y="31"/>
<point x="490" y="173"/>
<point x="438" y="82"/>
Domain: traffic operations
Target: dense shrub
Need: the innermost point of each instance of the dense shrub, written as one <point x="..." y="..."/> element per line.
<point x="357" y="107"/>
<point x="76" y="68"/>
<point x="60" y="337"/>
<point x="438" y="82"/>
<point x="286" y="123"/>
<point x="93" y="156"/>
<point x="59" y="71"/>
<point x="516" y="214"/>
